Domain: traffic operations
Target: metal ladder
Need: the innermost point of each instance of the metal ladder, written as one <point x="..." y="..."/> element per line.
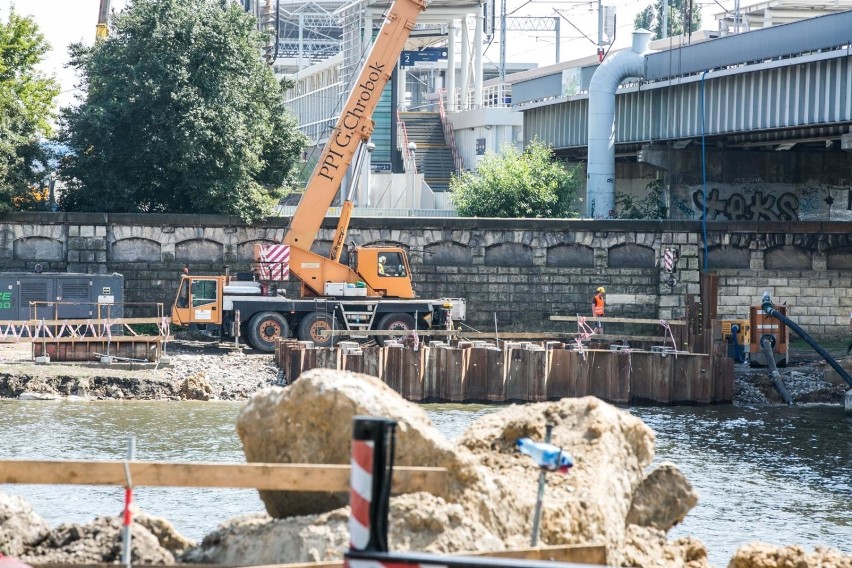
<point x="360" y="320"/>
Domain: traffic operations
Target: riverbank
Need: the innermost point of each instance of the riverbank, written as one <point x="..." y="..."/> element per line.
<point x="203" y="370"/>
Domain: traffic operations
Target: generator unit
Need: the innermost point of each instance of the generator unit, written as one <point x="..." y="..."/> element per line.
<point x="742" y="328"/>
<point x="59" y="295"/>
<point x="774" y="331"/>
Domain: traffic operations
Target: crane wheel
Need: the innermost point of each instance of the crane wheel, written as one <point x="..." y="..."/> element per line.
<point x="313" y="324"/>
<point x="393" y="322"/>
<point x="264" y="328"/>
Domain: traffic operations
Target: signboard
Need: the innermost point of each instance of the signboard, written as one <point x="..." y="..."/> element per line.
<point x="380" y="166"/>
<point x="570" y="82"/>
<point x="480" y="146"/>
<point x="425" y="55"/>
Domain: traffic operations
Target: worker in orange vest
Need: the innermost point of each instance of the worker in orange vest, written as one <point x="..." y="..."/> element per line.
<point x="598" y="303"/>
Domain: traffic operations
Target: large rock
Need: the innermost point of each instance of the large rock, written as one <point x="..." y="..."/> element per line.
<point x="20" y="527"/>
<point x="761" y="555"/>
<point x="648" y="547"/>
<point x="100" y="542"/>
<point x="611" y="450"/>
<point x="311" y="422"/>
<point x="663" y="498"/>
<point x="492" y="489"/>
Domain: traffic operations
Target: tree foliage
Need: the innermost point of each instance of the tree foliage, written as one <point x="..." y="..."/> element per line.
<point x="652" y="206"/>
<point x="680" y="11"/>
<point x="26" y="108"/>
<point x="179" y="115"/>
<point x="532" y="183"/>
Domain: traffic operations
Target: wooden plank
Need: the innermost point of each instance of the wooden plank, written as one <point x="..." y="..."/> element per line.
<point x="577" y="553"/>
<point x="617" y="320"/>
<point x="269" y="476"/>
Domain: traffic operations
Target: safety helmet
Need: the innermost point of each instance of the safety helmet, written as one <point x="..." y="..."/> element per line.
<point x="601" y="290"/>
<point x="381" y="259"/>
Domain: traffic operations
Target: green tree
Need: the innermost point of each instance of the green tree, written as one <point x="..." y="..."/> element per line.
<point x="179" y="115"/>
<point x="680" y="11"/>
<point x="532" y="183"/>
<point x="26" y="109"/>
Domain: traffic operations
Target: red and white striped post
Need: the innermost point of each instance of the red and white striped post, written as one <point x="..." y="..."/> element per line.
<point x="370" y="481"/>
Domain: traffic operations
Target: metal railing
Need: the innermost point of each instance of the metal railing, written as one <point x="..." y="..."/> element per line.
<point x="449" y="134"/>
<point x="402" y="139"/>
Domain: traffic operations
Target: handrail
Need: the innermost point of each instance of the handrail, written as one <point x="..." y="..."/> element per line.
<point x="449" y="134"/>
<point x="407" y="163"/>
<point x="101" y="307"/>
<point x="78" y="329"/>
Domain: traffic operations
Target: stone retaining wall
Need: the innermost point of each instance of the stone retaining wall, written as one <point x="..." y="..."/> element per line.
<point x="520" y="271"/>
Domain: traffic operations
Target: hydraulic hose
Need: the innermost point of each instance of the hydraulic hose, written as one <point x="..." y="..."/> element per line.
<point x="770" y="310"/>
<point x="766" y="344"/>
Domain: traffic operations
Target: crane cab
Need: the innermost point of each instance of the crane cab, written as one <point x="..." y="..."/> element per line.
<point x="199" y="300"/>
<point x="385" y="270"/>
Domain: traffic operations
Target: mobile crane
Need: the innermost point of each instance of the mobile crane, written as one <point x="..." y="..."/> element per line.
<point x="372" y="292"/>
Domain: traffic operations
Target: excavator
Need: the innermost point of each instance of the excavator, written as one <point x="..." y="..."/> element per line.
<point x="373" y="291"/>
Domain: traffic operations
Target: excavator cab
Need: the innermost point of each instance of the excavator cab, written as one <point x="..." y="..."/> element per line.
<point x="385" y="270"/>
<point x="199" y="300"/>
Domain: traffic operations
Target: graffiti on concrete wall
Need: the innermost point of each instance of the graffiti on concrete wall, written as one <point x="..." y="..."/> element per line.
<point x="748" y="204"/>
<point x="684" y="207"/>
<point x="753" y="199"/>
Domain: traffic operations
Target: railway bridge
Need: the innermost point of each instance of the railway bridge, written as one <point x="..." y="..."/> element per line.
<point x="755" y="126"/>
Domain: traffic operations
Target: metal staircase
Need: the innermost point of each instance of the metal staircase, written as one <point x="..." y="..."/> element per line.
<point x="434" y="156"/>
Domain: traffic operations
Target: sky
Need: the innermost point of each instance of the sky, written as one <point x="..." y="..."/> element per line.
<point x="67" y="21"/>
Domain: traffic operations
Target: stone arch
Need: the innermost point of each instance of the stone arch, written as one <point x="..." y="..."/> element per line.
<point x="245" y="250"/>
<point x="839" y="259"/>
<point x="726" y="256"/>
<point x="509" y="254"/>
<point x="447" y="253"/>
<point x="136" y="249"/>
<point x="631" y="255"/>
<point x="787" y="257"/>
<point x="199" y="250"/>
<point x="571" y="256"/>
<point x="37" y="248"/>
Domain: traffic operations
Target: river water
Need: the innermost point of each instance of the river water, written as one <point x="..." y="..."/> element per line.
<point x="775" y="474"/>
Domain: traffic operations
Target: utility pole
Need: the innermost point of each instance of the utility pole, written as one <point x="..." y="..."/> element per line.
<point x="101" y="29"/>
<point x="502" y="41"/>
<point x="665" y="19"/>
<point x="600" y="31"/>
<point x="689" y="22"/>
<point x="736" y="16"/>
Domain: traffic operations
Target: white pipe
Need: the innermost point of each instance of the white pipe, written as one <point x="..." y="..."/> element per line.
<point x="600" y="188"/>
<point x="477" y="57"/>
<point x="465" y="66"/>
<point x="451" y="67"/>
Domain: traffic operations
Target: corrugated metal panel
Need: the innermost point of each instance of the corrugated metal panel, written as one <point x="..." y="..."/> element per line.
<point x="537" y="89"/>
<point x="815" y="91"/>
<point x="770" y="43"/>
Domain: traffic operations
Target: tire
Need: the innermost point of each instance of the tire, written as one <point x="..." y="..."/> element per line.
<point x="312" y="324"/>
<point x="392" y="322"/>
<point x="264" y="328"/>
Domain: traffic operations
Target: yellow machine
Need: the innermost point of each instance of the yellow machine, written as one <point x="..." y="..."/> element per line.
<point x="374" y="290"/>
<point x="742" y="327"/>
